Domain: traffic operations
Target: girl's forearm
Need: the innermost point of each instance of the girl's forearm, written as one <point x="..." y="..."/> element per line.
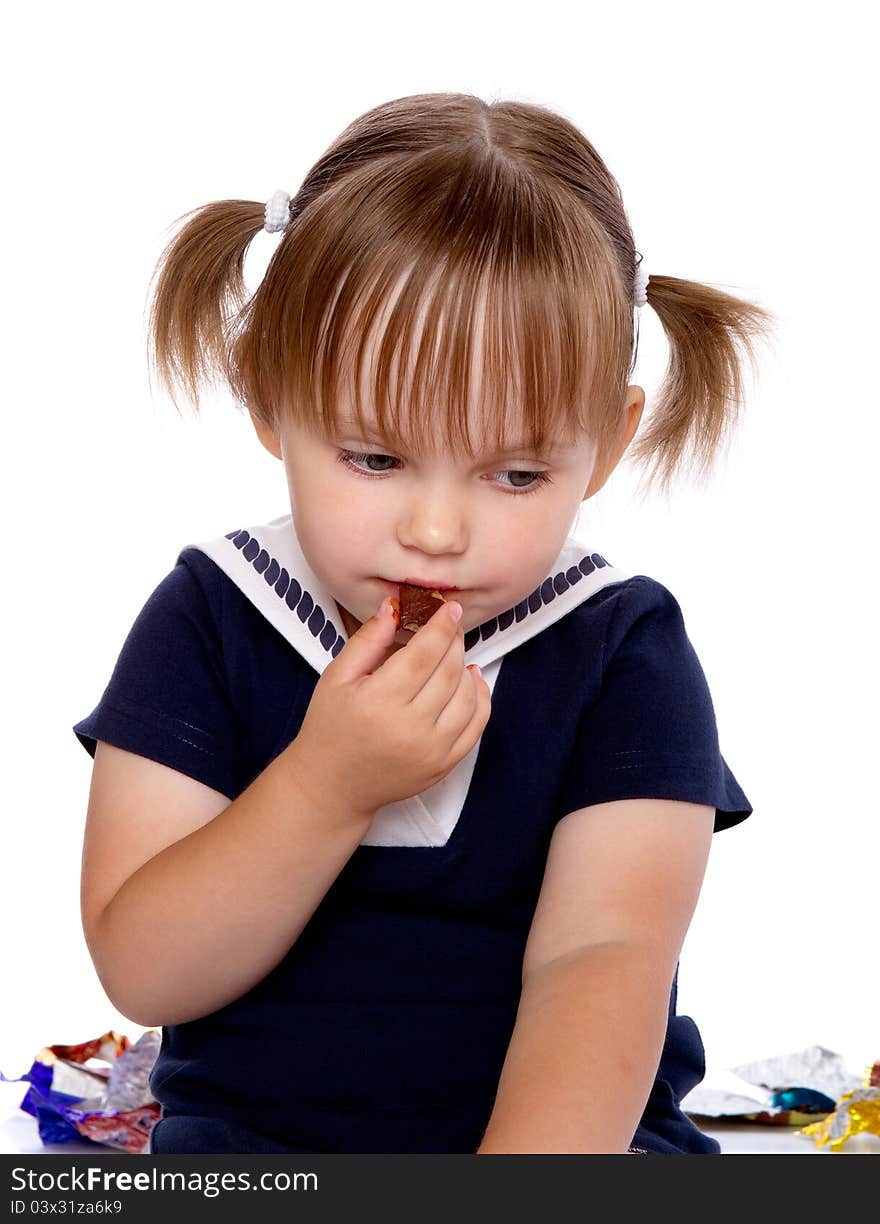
<point x="583" y="1054"/>
<point x="210" y="915"/>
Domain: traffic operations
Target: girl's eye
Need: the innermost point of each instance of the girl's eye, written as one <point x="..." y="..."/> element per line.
<point x="352" y="458"/>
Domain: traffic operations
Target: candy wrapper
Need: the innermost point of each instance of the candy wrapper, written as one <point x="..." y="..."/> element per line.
<point x="812" y="1089"/>
<point x="110" y="1105"/>
<point x="858" y="1110"/>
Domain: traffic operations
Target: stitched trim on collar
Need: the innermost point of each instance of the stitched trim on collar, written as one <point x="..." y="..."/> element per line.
<point x="315" y="619"/>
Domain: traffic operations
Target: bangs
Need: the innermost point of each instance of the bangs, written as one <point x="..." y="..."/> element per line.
<point x="510" y="314"/>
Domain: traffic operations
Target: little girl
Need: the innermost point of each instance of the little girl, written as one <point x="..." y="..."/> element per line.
<point x="390" y="891"/>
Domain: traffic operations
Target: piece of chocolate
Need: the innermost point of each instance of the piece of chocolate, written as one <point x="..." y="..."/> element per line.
<point x="417" y="606"/>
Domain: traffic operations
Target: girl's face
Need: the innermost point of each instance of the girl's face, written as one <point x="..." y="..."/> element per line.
<point x="368" y="518"/>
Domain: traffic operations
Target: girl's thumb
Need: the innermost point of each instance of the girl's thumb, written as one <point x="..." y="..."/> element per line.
<point x="366" y="649"/>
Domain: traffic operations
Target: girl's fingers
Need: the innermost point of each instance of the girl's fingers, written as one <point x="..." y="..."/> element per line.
<point x="475" y="708"/>
<point x="414" y="668"/>
<point x="442" y="685"/>
<point x="459" y="710"/>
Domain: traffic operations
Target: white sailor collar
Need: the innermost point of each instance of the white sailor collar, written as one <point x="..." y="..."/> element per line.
<point x="267" y="564"/>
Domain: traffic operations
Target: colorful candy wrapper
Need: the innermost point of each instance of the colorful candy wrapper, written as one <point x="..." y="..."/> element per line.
<point x="786" y="1090"/>
<point x="110" y="1105"/>
<point x="856" y="1111"/>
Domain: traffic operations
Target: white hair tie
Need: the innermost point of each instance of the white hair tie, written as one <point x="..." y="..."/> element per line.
<point x="277" y="212"/>
<point x="640" y="293"/>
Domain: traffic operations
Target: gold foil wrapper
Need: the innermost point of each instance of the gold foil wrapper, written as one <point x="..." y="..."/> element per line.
<point x="855" y="1112"/>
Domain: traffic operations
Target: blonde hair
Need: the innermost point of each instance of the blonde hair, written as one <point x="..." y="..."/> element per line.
<point x="494" y="216"/>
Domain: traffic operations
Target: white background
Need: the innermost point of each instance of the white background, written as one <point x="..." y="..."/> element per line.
<point x="743" y="140"/>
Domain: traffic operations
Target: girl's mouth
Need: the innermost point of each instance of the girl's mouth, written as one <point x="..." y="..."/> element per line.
<point x="394" y="587"/>
<point x="430" y="586"/>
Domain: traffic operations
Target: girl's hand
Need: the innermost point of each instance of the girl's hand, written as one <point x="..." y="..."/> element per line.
<point x="381" y="729"/>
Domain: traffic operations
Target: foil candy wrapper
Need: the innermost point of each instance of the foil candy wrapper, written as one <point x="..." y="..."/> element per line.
<point x="815" y="1067"/>
<point x="111" y="1105"/>
<point x="788" y="1089"/>
<point x="812" y="1090"/>
<point x="855" y="1112"/>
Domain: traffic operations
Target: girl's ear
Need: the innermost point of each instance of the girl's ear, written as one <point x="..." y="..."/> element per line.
<point x="634" y="407"/>
<point x="269" y="438"/>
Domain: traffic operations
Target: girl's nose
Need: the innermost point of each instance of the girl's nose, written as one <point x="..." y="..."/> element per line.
<point x="433" y="525"/>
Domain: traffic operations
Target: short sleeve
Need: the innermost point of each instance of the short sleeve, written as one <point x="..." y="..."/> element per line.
<point x="167" y="698"/>
<point x="651" y="732"/>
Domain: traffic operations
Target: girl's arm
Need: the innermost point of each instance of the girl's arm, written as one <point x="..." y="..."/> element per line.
<point x="620" y="887"/>
<point x="188" y="899"/>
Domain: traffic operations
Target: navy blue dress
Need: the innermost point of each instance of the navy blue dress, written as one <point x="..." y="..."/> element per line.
<point x="385" y="1026"/>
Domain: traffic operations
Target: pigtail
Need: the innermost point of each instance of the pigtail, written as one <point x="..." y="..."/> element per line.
<point x="200" y="295"/>
<point x="709" y="334"/>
